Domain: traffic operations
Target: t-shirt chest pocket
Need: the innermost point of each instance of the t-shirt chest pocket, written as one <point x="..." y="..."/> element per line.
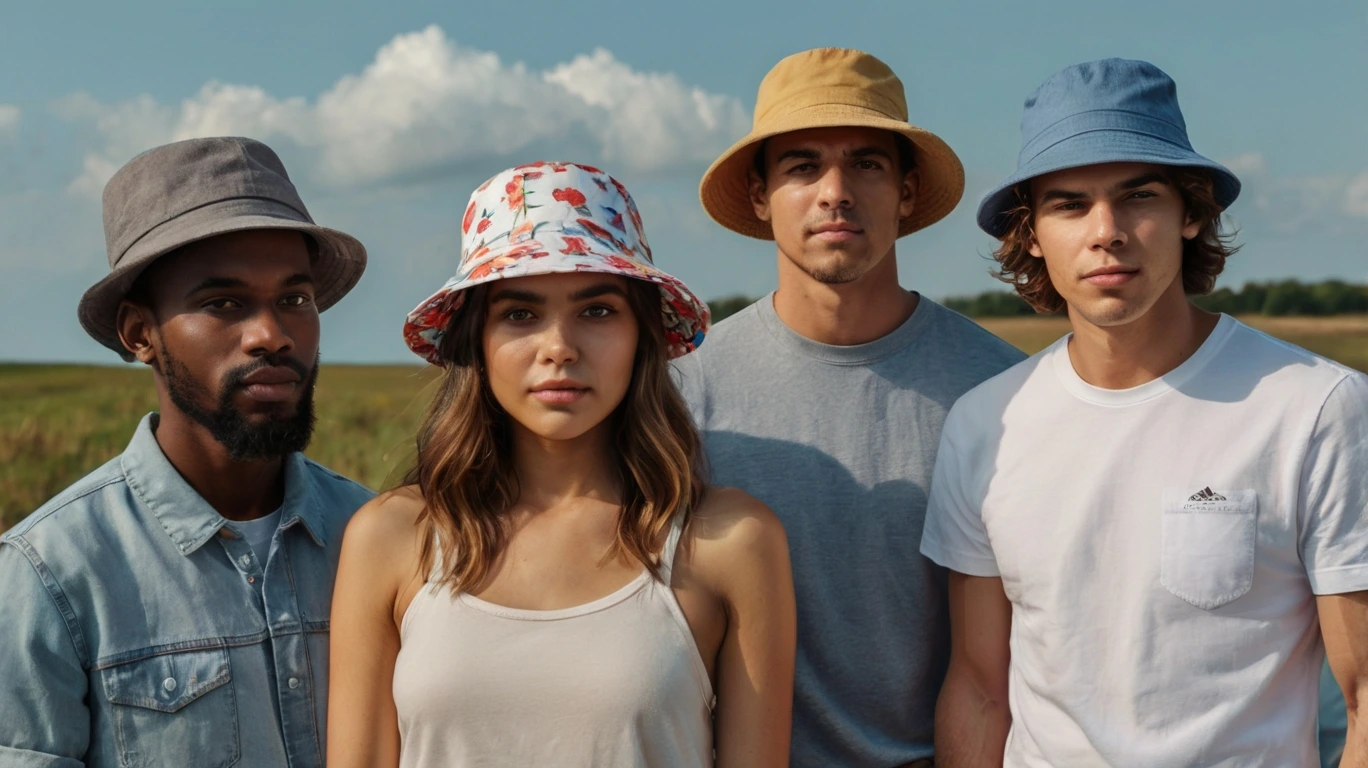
<point x="174" y="709"/>
<point x="1209" y="543"/>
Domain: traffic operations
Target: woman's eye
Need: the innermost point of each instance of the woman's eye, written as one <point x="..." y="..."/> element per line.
<point x="518" y="315"/>
<point x="598" y="311"/>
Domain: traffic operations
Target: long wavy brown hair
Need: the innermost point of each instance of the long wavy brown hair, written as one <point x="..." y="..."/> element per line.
<point x="1204" y="256"/>
<point x="464" y="467"/>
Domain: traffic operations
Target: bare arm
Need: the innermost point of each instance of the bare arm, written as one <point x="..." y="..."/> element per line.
<point x="1344" y="624"/>
<point x="378" y="555"/>
<point x="749" y="564"/>
<point x="972" y="715"/>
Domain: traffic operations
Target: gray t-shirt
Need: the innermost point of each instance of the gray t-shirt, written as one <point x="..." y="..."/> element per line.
<point x="840" y="442"/>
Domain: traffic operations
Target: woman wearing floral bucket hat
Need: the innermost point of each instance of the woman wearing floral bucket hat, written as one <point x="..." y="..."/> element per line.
<point x="555" y="584"/>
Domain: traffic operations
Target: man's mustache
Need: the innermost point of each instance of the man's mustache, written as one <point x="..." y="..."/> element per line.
<point x="234" y="378"/>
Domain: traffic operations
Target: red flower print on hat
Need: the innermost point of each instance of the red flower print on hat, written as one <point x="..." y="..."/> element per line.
<point x="569" y="195"/>
<point x="574" y="245"/>
<point x="596" y="228"/>
<point x="469" y="217"/>
<point x="514" y="193"/>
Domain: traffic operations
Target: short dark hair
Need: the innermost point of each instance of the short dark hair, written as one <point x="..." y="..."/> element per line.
<point x="1204" y="256"/>
<point x="907" y="155"/>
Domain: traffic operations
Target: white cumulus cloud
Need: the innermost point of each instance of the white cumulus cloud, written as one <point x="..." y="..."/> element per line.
<point x="1356" y="196"/>
<point x="1249" y="162"/>
<point x="426" y="106"/>
<point x="9" y="118"/>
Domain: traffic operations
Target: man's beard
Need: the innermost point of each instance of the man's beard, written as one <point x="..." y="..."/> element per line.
<point x="228" y="425"/>
<point x="834" y="275"/>
<point x="843" y="270"/>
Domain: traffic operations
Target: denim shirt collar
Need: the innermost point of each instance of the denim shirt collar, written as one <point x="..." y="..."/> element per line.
<point x="187" y="518"/>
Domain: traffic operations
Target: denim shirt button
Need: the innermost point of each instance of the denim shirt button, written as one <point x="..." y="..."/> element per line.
<point x="169" y="684"/>
<point x="294" y="682"/>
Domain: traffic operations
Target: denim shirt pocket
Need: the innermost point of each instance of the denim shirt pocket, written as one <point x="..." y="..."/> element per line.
<point x="174" y="709"/>
<point x="1209" y="544"/>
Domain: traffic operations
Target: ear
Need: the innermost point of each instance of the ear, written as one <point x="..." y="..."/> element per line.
<point x="1034" y="248"/>
<point x="908" y="202"/>
<point x="136" y="327"/>
<point x="756" y="190"/>
<point x="1191" y="228"/>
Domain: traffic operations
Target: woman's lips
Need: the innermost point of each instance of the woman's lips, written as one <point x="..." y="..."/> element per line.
<point x="560" y="396"/>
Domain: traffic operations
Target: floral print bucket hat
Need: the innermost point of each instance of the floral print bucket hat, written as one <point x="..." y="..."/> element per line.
<point x="545" y="218"/>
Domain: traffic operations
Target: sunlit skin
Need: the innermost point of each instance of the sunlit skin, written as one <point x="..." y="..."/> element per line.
<point x="833" y="198"/>
<point x="558" y="354"/>
<point x="216" y="305"/>
<point x="1111" y="236"/>
<point x="558" y="351"/>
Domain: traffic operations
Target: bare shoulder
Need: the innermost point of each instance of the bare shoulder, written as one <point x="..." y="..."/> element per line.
<point x="731" y="528"/>
<point x="386" y="526"/>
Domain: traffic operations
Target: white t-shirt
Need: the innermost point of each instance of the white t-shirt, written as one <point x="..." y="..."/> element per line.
<point x="1162" y="547"/>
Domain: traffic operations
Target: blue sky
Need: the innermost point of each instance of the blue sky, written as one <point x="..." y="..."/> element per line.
<point x="389" y="115"/>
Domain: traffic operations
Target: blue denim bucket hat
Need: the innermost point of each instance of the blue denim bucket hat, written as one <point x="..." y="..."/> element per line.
<point x="1107" y="111"/>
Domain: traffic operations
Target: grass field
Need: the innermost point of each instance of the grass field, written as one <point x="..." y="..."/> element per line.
<point x="59" y="422"/>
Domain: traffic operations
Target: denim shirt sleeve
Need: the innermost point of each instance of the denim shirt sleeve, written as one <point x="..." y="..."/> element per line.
<point x="44" y="721"/>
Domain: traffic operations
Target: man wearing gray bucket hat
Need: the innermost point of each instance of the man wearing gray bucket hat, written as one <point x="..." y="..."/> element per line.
<point x="1152" y="524"/>
<point x="171" y="608"/>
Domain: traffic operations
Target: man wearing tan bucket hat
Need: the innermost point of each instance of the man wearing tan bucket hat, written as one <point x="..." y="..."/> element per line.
<point x="171" y="608"/>
<point x="825" y="399"/>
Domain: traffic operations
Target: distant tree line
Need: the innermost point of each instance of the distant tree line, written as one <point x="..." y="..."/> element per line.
<point x="1284" y="297"/>
<point x="728" y="306"/>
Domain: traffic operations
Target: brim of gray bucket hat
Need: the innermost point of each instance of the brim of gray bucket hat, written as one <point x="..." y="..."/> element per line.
<point x="1093" y="148"/>
<point x="340" y="262"/>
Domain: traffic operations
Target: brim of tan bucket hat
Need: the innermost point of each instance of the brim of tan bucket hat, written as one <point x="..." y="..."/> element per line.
<point x="725" y="193"/>
<point x="340" y="262"/>
<point x="685" y="318"/>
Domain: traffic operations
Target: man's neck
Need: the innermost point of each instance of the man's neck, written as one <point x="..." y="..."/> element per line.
<point x="1125" y="356"/>
<point x="843" y="314"/>
<point x="238" y="490"/>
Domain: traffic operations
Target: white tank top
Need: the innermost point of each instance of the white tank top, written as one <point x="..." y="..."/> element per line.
<point x="614" y="682"/>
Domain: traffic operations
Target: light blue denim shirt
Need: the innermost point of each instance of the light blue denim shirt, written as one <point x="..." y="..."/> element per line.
<point x="137" y="628"/>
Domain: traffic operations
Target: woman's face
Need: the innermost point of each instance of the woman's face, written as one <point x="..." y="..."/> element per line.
<point x="559" y="349"/>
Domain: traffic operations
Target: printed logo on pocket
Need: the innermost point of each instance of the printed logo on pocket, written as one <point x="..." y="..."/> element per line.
<point x="1207" y="500"/>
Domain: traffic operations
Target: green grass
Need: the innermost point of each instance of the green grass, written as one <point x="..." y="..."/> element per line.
<point x="58" y="422"/>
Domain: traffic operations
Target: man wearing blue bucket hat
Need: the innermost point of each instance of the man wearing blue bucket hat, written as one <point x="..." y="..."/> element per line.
<point x="1151" y="524"/>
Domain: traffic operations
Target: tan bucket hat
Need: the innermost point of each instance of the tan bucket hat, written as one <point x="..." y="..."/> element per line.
<point x="829" y="88"/>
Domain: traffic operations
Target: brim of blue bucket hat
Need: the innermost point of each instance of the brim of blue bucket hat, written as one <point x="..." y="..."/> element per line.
<point x="425" y="326"/>
<point x="1094" y="148"/>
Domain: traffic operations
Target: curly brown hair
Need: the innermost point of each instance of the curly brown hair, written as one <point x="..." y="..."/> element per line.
<point x="1204" y="256"/>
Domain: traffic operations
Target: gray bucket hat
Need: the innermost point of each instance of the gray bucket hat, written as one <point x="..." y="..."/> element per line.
<point x="179" y="193"/>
